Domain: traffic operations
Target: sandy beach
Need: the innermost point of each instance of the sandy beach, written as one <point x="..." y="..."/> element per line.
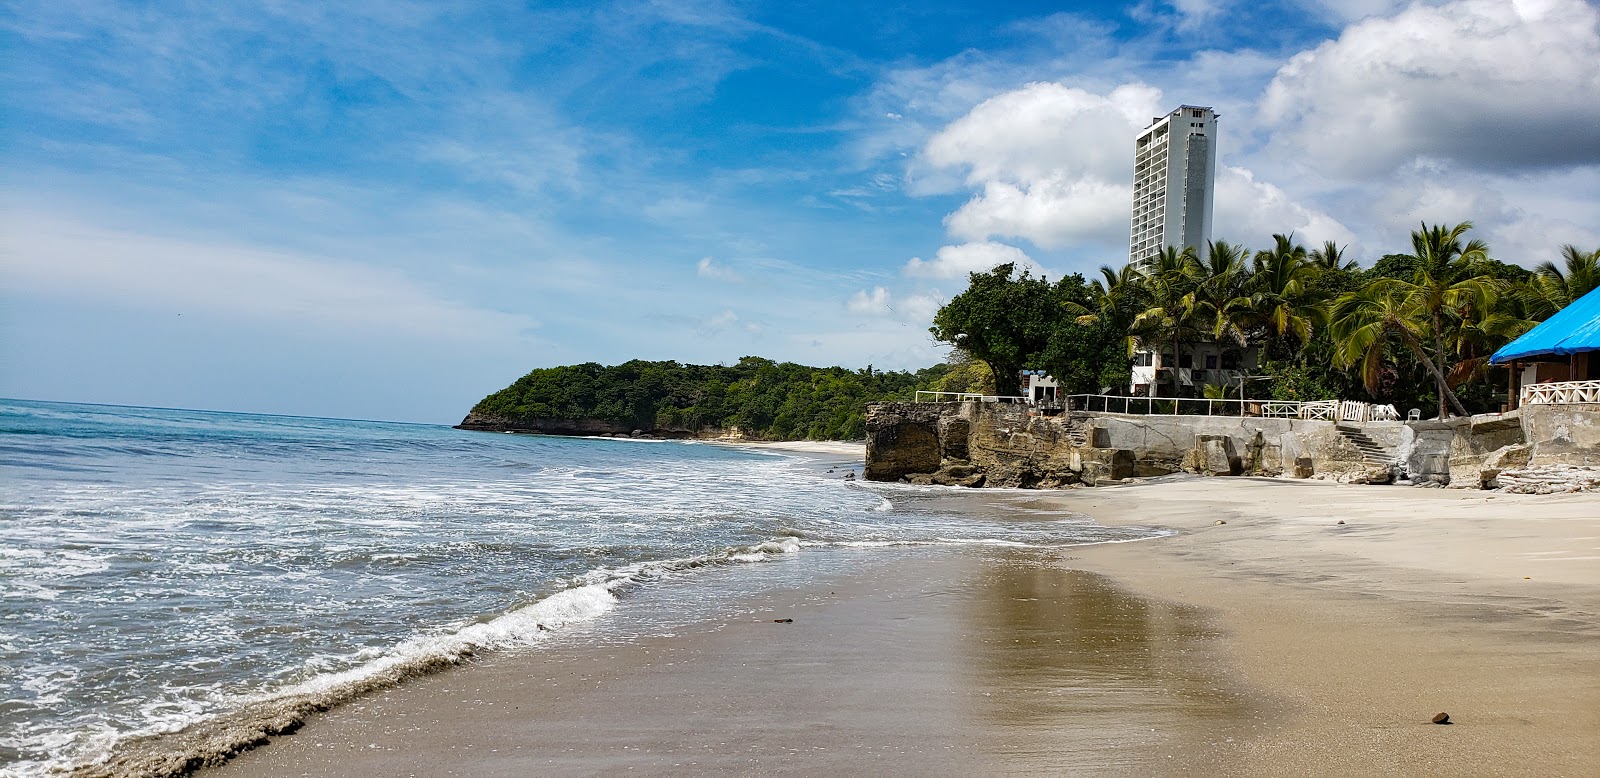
<point x="1281" y="642"/>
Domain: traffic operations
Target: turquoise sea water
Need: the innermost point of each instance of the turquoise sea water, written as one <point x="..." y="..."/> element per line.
<point x="161" y="568"/>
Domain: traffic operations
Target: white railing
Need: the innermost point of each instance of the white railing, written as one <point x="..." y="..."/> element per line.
<point x="1320" y="410"/>
<point x="1561" y="393"/>
<point x="953" y="397"/>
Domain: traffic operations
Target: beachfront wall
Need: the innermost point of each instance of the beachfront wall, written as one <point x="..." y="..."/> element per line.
<point x="995" y="444"/>
<point x="1563" y="434"/>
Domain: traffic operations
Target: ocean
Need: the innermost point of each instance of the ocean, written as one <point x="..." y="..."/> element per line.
<point x="163" y="569"/>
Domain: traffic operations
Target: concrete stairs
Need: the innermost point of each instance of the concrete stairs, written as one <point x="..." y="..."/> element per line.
<point x="1372" y="452"/>
<point x="1077" y="430"/>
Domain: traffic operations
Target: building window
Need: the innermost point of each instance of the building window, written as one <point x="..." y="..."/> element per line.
<point x="1211" y="361"/>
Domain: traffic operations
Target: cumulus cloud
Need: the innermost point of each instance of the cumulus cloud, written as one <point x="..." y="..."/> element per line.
<point x="1249" y="212"/>
<point x="1046" y="129"/>
<point x="957" y="261"/>
<point x="1052" y="212"/>
<point x="878" y="301"/>
<point x="1054" y="163"/>
<point x="1489" y="83"/>
<point x="875" y="302"/>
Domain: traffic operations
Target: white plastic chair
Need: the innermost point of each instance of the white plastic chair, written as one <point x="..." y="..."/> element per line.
<point x="1414" y="414"/>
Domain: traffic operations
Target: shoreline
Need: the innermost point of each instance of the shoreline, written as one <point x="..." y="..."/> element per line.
<point x="1279" y="642"/>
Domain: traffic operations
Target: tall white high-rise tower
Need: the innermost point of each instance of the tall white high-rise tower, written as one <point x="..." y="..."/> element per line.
<point x="1174" y="172"/>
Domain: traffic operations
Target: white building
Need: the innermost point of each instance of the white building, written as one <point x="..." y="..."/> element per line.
<point x="1039" y="387"/>
<point x="1174" y="174"/>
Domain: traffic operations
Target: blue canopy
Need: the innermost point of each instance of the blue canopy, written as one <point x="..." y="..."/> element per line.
<point x="1574" y="329"/>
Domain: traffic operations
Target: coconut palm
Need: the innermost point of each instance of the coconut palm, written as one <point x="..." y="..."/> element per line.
<point x="1364" y="322"/>
<point x="1554" y="287"/>
<point x="1330" y="257"/>
<point x="1448" y="284"/>
<point x="1166" y="281"/>
<point x="1220" y="302"/>
<point x="1118" y="297"/>
<point x="1281" y="299"/>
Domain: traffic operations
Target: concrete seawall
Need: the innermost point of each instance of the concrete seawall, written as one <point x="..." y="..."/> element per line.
<point x="1003" y="445"/>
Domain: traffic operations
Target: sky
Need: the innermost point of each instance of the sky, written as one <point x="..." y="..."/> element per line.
<point x="386" y="209"/>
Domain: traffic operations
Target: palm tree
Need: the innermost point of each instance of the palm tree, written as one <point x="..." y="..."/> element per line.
<point x="1166" y="283"/>
<point x="1552" y="288"/>
<point x="1219" y="301"/>
<point x="1330" y="257"/>
<point x="1118" y="297"/>
<point x="1365" y="321"/>
<point x="1448" y="285"/>
<point x="1281" y="299"/>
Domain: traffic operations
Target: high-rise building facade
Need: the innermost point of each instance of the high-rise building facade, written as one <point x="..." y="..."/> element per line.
<point x="1174" y="172"/>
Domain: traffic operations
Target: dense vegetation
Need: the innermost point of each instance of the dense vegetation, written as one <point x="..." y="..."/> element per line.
<point x="1415" y="330"/>
<point x="762" y="398"/>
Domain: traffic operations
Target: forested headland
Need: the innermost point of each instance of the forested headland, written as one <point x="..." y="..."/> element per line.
<point x="760" y="398"/>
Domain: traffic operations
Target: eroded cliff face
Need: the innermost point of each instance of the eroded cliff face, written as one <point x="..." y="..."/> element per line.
<point x="979" y="444"/>
<point x="1004" y="445"/>
<point x="902" y="440"/>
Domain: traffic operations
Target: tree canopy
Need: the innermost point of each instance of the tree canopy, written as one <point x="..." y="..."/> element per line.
<point x="1018" y="322"/>
<point x="763" y="398"/>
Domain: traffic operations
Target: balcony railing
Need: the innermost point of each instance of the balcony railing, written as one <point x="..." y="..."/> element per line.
<point x="1561" y="393"/>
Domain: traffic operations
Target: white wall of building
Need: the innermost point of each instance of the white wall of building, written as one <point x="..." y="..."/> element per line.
<point x="1174" y="176"/>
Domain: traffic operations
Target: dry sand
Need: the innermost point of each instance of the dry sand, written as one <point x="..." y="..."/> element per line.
<point x="1279" y="643"/>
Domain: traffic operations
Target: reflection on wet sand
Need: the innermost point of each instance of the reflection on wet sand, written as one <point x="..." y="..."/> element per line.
<point x="1079" y="675"/>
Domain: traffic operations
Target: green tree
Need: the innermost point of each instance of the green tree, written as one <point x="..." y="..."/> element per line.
<point x="1554" y="287"/>
<point x="1365" y="321"/>
<point x="1219" y="302"/>
<point x="1282" y="299"/>
<point x="1330" y="258"/>
<point x="1167" y="280"/>
<point x="1002" y="320"/>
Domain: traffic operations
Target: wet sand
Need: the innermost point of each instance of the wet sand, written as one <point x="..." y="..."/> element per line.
<point x="1278" y="643"/>
<point x="947" y="662"/>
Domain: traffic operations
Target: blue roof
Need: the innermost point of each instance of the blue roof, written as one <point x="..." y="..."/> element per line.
<point x="1573" y="329"/>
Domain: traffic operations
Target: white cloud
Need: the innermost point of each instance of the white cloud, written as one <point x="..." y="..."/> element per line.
<point x="1052" y="212"/>
<point x="1250" y="212"/>
<point x="1053" y="162"/>
<point x="1046" y="129"/>
<point x="51" y="254"/>
<point x="958" y="261"/>
<point x="916" y="308"/>
<point x="1489" y="83"/>
<point x="875" y="302"/>
<point x="708" y="268"/>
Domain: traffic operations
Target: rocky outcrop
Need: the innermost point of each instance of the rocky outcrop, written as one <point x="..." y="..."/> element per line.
<point x="1003" y="445"/>
<point x="998" y="445"/>
<point x="902" y="440"/>
<point x="1476" y="438"/>
<point x="579" y="427"/>
<point x="543" y="426"/>
<point x="1549" y="479"/>
<point x="991" y="445"/>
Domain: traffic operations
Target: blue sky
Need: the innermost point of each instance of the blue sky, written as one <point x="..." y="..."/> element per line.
<point x="389" y="209"/>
